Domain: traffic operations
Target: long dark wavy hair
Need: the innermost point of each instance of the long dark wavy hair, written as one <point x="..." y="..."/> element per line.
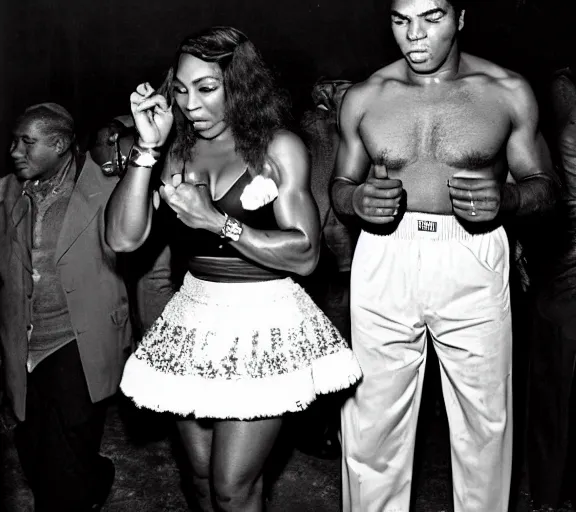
<point x="255" y="107"/>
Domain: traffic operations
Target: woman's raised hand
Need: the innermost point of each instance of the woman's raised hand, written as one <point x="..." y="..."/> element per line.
<point x="152" y="115"/>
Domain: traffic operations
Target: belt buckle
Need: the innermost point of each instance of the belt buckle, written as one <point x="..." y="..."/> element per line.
<point x="429" y="226"/>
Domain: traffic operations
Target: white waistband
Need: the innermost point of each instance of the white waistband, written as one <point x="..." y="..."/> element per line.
<point x="429" y="226"/>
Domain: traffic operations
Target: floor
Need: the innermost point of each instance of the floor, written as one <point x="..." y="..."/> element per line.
<point x="147" y="476"/>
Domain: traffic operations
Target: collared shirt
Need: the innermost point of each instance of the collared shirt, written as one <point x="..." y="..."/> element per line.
<point x="51" y="324"/>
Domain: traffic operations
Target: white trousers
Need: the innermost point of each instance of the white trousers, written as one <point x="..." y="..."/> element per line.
<point x="429" y="277"/>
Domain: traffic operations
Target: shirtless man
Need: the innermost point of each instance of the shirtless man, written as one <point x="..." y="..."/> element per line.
<point x="426" y="146"/>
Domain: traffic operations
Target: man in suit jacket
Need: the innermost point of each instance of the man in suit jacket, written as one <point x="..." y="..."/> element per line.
<point x="64" y="326"/>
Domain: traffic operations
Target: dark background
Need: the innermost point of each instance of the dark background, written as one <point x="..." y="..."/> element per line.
<point x="89" y="55"/>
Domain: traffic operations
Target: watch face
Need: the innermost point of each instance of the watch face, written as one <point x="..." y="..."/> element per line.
<point x="141" y="158"/>
<point x="232" y="229"/>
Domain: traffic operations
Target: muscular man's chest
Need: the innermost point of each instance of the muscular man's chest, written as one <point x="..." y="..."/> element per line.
<point x="462" y="134"/>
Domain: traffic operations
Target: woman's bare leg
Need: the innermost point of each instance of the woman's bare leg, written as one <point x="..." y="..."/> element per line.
<point x="239" y="452"/>
<point x="196" y="437"/>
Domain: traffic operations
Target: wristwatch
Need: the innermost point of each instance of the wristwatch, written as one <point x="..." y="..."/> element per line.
<point x="232" y="229"/>
<point x="142" y="157"/>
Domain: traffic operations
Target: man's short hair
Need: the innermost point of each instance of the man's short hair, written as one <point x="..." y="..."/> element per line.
<point x="457" y="5"/>
<point x="55" y="121"/>
<point x="102" y="138"/>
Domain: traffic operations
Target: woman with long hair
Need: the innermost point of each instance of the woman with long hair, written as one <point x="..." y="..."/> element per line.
<point x="240" y="344"/>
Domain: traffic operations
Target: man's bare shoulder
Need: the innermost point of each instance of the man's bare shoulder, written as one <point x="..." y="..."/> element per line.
<point x="500" y="76"/>
<point x="377" y="83"/>
<point x="395" y="72"/>
<point x="509" y="84"/>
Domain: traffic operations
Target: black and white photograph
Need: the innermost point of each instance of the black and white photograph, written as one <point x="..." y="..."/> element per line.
<point x="288" y="256"/>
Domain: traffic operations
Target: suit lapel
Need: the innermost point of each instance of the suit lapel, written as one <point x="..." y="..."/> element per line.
<point x="85" y="202"/>
<point x="18" y="208"/>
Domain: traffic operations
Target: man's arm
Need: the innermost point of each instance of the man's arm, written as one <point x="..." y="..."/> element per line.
<point x="528" y="158"/>
<point x="360" y="190"/>
<point x="352" y="161"/>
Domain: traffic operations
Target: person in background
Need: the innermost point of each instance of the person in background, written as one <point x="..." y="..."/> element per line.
<point x="552" y="391"/>
<point x="64" y="324"/>
<point x="318" y="428"/>
<point x="152" y="273"/>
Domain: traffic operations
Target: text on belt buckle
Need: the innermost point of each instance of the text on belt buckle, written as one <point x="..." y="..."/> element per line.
<point x="429" y="226"/>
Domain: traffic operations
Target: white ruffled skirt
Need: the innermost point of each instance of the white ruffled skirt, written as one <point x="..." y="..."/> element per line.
<point x="238" y="350"/>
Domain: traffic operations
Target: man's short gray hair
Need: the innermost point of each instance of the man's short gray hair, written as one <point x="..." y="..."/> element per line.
<point x="55" y="121"/>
